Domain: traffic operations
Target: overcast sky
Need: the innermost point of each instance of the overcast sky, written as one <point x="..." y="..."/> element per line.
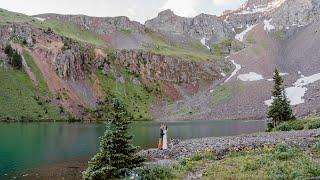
<point x="138" y="10"/>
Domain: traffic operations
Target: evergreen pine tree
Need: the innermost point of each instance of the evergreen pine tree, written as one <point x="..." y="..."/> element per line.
<point x="277" y="89"/>
<point x="116" y="156"/>
<point x="16" y="60"/>
<point x="8" y="50"/>
<point x="280" y="109"/>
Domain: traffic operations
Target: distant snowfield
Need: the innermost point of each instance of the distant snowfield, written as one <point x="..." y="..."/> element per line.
<point x="40" y="19"/>
<point x="203" y="42"/>
<point x="267" y="25"/>
<point x="238" y="67"/>
<point x="297" y="92"/>
<point x="252" y="76"/>
<point x="243" y="33"/>
<point x="283" y="74"/>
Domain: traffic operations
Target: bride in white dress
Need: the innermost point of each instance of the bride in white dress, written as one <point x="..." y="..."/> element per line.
<point x="165" y="141"/>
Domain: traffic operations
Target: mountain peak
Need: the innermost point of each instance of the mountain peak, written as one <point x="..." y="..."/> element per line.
<point x="167" y="12"/>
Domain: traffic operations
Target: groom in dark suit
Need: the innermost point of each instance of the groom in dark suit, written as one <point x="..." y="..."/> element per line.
<point x="161" y="137"/>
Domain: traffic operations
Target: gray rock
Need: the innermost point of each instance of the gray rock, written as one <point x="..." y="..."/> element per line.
<point x="201" y="26"/>
<point x="222" y="146"/>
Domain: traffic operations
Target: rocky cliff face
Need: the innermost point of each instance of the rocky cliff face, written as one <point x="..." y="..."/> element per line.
<point x="295" y="13"/>
<point x="17" y="32"/>
<point x="201" y="26"/>
<point x="280" y="14"/>
<point x="153" y="67"/>
<point x="74" y="62"/>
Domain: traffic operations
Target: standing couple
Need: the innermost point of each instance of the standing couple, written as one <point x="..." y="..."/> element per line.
<point x="163" y="142"/>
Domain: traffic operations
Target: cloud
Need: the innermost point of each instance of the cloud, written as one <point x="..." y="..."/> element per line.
<point x="132" y="10"/>
<point x="226" y="2"/>
<point x="221" y="5"/>
<point x="187" y="8"/>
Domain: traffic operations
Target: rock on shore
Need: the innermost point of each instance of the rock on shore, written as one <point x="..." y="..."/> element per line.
<point x="221" y="146"/>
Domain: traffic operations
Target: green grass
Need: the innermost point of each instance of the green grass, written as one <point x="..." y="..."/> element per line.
<point x="191" y="50"/>
<point x="126" y="31"/>
<point x="70" y="30"/>
<point x="42" y="85"/>
<point x="177" y="171"/>
<point x="307" y="123"/>
<point x="136" y="98"/>
<point x="7" y="17"/>
<point x="280" y="162"/>
<point x="219" y="49"/>
<point x="269" y="162"/>
<point x="18" y="102"/>
<point x="66" y="29"/>
<point x="278" y="35"/>
<point x="251" y="39"/>
<point x="224" y="92"/>
<point x="223" y="47"/>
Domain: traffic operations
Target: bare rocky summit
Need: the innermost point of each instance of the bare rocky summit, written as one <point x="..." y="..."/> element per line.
<point x="205" y="26"/>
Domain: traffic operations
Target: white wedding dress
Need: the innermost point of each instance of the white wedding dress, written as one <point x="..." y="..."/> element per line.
<point x="165" y="141"/>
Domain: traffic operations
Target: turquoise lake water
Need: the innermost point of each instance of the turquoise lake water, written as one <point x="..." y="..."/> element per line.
<point x="24" y="146"/>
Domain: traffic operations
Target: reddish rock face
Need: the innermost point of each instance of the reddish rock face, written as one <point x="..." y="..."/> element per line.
<point x="170" y="72"/>
<point x="154" y="67"/>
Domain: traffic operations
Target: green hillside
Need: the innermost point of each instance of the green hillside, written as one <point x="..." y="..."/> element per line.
<point x="18" y="99"/>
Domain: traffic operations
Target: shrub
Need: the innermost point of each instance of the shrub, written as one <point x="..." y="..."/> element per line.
<point x="284" y="152"/>
<point x="312" y="123"/>
<point x="16" y="60"/>
<point x="270" y="127"/>
<point x="283" y="127"/>
<point x="9" y="50"/>
<point x="290" y="125"/>
<point x="250" y="165"/>
<point x="155" y="173"/>
<point x="316" y="146"/>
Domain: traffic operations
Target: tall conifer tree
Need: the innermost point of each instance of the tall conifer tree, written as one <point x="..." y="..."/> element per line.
<point x="280" y="109"/>
<point x="117" y="156"/>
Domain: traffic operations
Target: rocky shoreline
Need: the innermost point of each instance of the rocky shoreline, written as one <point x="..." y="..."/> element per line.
<point x="222" y="146"/>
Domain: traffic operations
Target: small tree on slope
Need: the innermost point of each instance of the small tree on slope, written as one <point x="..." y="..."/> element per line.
<point x="280" y="109"/>
<point x="116" y="157"/>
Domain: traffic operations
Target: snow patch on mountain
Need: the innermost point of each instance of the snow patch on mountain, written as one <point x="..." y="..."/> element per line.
<point x="40" y="19"/>
<point x="268" y="26"/>
<point x="283" y="74"/>
<point x="203" y="42"/>
<point x="238" y="67"/>
<point x="252" y="76"/>
<point x="243" y="33"/>
<point x="307" y="80"/>
<point x="297" y="92"/>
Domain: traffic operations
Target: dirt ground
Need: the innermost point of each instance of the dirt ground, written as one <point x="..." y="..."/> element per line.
<point x="67" y="170"/>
